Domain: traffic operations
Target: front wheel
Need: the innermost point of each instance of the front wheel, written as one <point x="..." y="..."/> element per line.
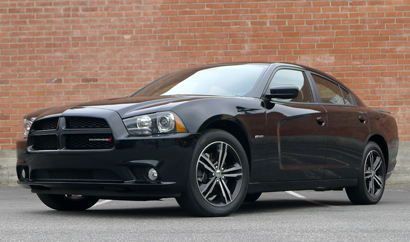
<point x="67" y="202"/>
<point x="218" y="176"/>
<point x="372" y="177"/>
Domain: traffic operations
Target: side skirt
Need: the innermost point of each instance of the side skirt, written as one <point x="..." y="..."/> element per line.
<point x="319" y="185"/>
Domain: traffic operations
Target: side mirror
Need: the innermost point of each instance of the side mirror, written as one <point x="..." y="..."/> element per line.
<point x="283" y="92"/>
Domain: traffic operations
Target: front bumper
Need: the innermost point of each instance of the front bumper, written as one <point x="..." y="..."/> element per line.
<point x="170" y="155"/>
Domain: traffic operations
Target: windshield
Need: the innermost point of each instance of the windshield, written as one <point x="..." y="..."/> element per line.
<point x="233" y="80"/>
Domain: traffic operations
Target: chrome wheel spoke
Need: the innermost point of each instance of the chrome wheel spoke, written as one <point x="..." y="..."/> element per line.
<point x="223" y="192"/>
<point x="211" y="189"/>
<point x="233" y="175"/>
<point x="212" y="198"/>
<point x="371" y="186"/>
<point x="377" y="163"/>
<point x="206" y="158"/>
<point x="371" y="159"/>
<point x="367" y="174"/>
<point x="237" y="167"/>
<point x="206" y="167"/>
<point x="223" y="152"/>
<point x="228" y="192"/>
<point x="207" y="185"/>
<point x="378" y="180"/>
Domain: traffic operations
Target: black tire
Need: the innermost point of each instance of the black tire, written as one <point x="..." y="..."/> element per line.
<point x="67" y="203"/>
<point x="372" y="177"/>
<point x="252" y="197"/>
<point x="213" y="191"/>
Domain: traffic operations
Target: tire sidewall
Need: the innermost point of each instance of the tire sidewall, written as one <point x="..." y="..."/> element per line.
<point x="206" y="139"/>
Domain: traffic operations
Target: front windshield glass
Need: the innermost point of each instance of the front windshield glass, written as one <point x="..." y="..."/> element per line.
<point x="233" y="80"/>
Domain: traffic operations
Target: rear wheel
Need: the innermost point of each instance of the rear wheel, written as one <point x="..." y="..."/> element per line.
<point x="372" y="177"/>
<point x="67" y="202"/>
<point x="218" y="177"/>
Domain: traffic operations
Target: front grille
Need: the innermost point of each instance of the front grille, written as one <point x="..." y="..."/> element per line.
<point x="72" y="174"/>
<point x="90" y="141"/>
<point x="45" y="142"/>
<point x="86" y="123"/>
<point x="75" y="133"/>
<point x="46" y="124"/>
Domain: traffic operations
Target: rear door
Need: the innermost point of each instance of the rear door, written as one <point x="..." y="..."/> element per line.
<point x="348" y="129"/>
<point x="296" y="132"/>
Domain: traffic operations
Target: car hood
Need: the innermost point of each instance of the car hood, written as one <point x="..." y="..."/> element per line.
<point x="126" y="106"/>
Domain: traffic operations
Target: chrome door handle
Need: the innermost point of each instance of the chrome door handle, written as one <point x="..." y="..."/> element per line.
<point x="362" y="119"/>
<point x="320" y="121"/>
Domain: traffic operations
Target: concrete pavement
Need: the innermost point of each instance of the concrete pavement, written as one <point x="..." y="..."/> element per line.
<point x="281" y="216"/>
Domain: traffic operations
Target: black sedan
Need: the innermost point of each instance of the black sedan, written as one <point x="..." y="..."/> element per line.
<point x="212" y="137"/>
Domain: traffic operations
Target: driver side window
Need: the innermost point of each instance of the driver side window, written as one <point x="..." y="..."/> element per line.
<point x="296" y="78"/>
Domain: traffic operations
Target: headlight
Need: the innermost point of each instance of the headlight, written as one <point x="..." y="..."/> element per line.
<point x="164" y="122"/>
<point x="27" y="125"/>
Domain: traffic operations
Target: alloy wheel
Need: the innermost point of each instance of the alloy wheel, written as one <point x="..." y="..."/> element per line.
<point x="373" y="175"/>
<point x="219" y="173"/>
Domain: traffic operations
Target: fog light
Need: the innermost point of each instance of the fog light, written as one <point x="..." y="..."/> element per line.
<point x="23" y="173"/>
<point x="152" y="174"/>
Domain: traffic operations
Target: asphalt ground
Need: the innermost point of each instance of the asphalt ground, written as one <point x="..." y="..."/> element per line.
<point x="280" y="216"/>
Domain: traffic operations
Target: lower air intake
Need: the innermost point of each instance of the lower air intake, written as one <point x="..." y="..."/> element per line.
<point x="102" y="175"/>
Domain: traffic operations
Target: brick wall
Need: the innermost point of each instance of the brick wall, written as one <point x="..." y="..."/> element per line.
<point x="58" y="52"/>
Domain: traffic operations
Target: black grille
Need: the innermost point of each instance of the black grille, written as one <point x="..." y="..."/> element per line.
<point x="90" y="141"/>
<point x="46" y="124"/>
<point x="75" y="175"/>
<point x="86" y="123"/>
<point x="45" y="142"/>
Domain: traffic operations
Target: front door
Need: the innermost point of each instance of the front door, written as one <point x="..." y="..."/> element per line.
<point x="297" y="136"/>
<point x="296" y="133"/>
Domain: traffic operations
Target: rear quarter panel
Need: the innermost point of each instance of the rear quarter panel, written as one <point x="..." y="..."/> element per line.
<point x="381" y="123"/>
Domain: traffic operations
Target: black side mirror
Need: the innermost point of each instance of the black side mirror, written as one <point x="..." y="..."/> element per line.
<point x="283" y="92"/>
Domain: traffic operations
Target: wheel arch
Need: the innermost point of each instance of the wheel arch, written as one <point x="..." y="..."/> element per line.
<point x="381" y="142"/>
<point x="233" y="126"/>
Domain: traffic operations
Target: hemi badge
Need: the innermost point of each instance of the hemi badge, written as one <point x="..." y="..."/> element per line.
<point x="100" y="139"/>
<point x="258" y="136"/>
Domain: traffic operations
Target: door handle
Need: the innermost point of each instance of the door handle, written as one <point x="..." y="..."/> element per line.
<point x="362" y="119"/>
<point x="320" y="121"/>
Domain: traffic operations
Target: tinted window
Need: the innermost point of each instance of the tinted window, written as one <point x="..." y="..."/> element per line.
<point x="346" y="95"/>
<point x="235" y="80"/>
<point x="296" y="78"/>
<point x="329" y="91"/>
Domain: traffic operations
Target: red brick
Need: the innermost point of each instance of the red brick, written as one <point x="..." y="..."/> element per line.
<point x="71" y="51"/>
<point x="87" y="80"/>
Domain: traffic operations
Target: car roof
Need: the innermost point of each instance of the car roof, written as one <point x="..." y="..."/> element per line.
<point x="358" y="100"/>
<point x="266" y="63"/>
<point x="278" y="64"/>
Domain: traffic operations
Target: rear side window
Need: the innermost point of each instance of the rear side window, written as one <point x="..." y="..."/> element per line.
<point x="346" y="95"/>
<point x="329" y="91"/>
<point x="296" y="78"/>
